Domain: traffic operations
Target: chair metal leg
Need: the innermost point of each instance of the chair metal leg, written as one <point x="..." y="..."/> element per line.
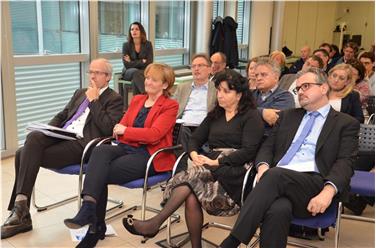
<point x="52" y="205"/>
<point x="144" y="208"/>
<point x="338" y="225"/>
<point x="359" y="218"/>
<point x="175" y="217"/>
<point x="207" y="225"/>
<point x="254" y="243"/>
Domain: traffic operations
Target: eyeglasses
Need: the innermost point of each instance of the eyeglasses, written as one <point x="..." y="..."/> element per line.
<point x="199" y="66"/>
<point x="304" y="87"/>
<point x="96" y="73"/>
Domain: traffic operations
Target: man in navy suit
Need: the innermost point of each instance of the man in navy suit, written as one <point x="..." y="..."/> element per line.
<point x="92" y="113"/>
<point x="270" y="98"/>
<point x="302" y="166"/>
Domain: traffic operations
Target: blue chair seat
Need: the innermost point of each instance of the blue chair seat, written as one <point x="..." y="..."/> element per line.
<point x="73" y="169"/>
<point x="324" y="220"/>
<point x="152" y="180"/>
<point x="363" y="183"/>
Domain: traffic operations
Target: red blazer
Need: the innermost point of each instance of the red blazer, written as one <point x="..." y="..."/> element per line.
<point x="157" y="131"/>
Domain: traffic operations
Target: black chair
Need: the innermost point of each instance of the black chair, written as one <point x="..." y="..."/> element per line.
<point x="371" y="105"/>
<point x="363" y="182"/>
<point x="330" y="218"/>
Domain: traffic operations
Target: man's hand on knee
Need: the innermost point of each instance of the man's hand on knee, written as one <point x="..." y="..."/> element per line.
<point x="321" y="202"/>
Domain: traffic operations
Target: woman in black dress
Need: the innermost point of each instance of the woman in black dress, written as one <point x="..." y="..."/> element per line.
<point x="233" y="131"/>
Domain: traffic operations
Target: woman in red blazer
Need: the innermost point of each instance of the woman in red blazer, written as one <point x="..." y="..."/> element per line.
<point x="146" y="127"/>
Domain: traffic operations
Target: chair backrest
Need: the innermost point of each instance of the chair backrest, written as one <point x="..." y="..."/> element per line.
<point x="175" y="134"/>
<point x="371" y="105"/>
<point x="370" y="120"/>
<point x="367" y="138"/>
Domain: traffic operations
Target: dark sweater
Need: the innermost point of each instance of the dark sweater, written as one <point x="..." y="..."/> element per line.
<point x="243" y="132"/>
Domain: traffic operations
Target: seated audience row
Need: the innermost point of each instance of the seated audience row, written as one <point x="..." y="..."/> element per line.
<point x="228" y="123"/>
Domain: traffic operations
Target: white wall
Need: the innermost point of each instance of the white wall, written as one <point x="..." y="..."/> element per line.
<point x="312" y="23"/>
<point x="359" y="20"/>
<point x="307" y="23"/>
<point x="261" y="22"/>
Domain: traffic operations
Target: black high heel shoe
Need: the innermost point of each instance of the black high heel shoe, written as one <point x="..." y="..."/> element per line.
<point x="93" y="236"/>
<point x="128" y="224"/>
<point x="86" y="216"/>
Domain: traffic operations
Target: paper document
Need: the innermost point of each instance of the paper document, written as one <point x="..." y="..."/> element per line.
<point x="186" y="124"/>
<point x="79" y="234"/>
<point x="53" y="131"/>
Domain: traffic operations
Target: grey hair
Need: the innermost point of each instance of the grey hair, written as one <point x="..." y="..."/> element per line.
<point x="107" y="65"/>
<point x="271" y="64"/>
<point x="320" y="75"/>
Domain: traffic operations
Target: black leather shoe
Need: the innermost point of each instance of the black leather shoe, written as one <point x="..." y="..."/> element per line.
<point x="128" y="224"/>
<point x="19" y="220"/>
<point x="356" y="204"/>
<point x="93" y="236"/>
<point x="86" y="216"/>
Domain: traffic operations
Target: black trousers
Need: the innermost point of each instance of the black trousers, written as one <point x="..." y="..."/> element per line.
<point x="279" y="195"/>
<point x="112" y="165"/>
<point x="136" y="76"/>
<point x="38" y="151"/>
<point x="185" y="134"/>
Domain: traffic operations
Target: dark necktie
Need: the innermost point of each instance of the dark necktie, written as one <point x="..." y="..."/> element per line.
<point x="299" y="141"/>
<point x="78" y="113"/>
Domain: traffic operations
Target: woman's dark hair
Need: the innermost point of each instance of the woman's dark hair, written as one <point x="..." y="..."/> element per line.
<point x="236" y="82"/>
<point x="335" y="48"/>
<point x="368" y="55"/>
<point x="142" y="31"/>
<point x="359" y="67"/>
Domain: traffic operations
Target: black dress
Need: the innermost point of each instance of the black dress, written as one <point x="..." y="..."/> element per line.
<point x="219" y="188"/>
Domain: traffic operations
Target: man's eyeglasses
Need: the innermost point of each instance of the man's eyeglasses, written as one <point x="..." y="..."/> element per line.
<point x="96" y="73"/>
<point x="304" y="87"/>
<point x="199" y="66"/>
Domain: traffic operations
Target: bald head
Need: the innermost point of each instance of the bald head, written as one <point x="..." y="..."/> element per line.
<point x="305" y="51"/>
<point x="218" y="62"/>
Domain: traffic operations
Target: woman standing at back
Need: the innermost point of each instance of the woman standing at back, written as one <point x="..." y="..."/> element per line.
<point x="137" y="55"/>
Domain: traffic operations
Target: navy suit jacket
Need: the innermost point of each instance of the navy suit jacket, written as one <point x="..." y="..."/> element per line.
<point x="280" y="99"/>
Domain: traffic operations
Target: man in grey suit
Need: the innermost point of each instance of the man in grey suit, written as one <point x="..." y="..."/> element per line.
<point x="92" y="113"/>
<point x="195" y="98"/>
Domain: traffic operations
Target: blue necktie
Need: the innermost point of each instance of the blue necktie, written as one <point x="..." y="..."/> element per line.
<point x="78" y="113"/>
<point x="298" y="143"/>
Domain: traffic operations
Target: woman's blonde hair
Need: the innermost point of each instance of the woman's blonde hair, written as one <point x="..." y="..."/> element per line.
<point x="165" y="73"/>
<point x="350" y="86"/>
<point x="278" y="53"/>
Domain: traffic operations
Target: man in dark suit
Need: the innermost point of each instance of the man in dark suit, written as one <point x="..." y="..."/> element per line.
<point x="269" y="97"/>
<point x="304" y="164"/>
<point x="91" y="113"/>
<point x="305" y="52"/>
